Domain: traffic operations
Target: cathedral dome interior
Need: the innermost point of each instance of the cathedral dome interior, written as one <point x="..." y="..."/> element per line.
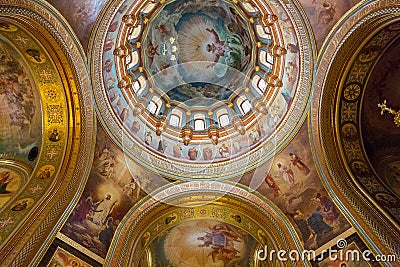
<point x="189" y="133"/>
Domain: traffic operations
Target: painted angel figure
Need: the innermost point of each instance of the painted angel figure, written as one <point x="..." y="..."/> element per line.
<point x="217" y="47"/>
<point x="298" y="162"/>
<point x="269" y="180"/>
<point x="103" y="208"/>
<point x="131" y="186"/>
<point x="286" y="173"/>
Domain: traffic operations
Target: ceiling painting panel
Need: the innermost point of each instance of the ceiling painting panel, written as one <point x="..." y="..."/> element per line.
<point x="215" y="225"/>
<point x="35" y="122"/>
<point x="256" y="87"/>
<point x="324" y="14"/>
<point x="203" y="242"/>
<point x="81" y="15"/>
<point x="114" y="186"/>
<point x="291" y="181"/>
<point x="356" y="150"/>
<point x="21" y="127"/>
<point x="203" y="154"/>
<point x="43" y="104"/>
<point x="379" y="132"/>
<point x="348" y="71"/>
<point x="201" y="46"/>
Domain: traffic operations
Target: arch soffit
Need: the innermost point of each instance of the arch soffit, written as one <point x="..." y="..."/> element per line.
<point x="31" y="230"/>
<point x="269" y="225"/>
<point x="334" y="64"/>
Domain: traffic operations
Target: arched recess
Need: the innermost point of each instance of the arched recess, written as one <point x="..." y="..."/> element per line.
<point x="57" y="63"/>
<point x="338" y="91"/>
<point x="202" y="205"/>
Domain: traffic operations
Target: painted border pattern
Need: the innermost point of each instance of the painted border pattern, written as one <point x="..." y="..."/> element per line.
<point x="339" y="48"/>
<point x="39" y="231"/>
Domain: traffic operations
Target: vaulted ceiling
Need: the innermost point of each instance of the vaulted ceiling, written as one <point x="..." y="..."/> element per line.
<point x="197" y="133"/>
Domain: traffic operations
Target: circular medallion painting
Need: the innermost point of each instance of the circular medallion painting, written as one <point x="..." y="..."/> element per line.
<point x="201" y="89"/>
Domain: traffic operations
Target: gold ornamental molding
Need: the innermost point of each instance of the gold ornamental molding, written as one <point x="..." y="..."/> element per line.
<point x="58" y="66"/>
<point x="200" y="202"/>
<point x="342" y="69"/>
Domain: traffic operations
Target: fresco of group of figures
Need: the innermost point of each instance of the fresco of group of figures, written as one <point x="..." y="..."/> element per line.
<point x="199" y="47"/>
<point x="81" y="15"/>
<point x="293" y="184"/>
<point x="114" y="185"/>
<point x="20" y="115"/>
<point x="206" y="152"/>
<point x="323" y="15"/>
<point x="203" y="243"/>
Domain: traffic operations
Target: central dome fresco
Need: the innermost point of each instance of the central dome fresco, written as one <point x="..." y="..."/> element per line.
<point x="201" y="89"/>
<point x="195" y="51"/>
